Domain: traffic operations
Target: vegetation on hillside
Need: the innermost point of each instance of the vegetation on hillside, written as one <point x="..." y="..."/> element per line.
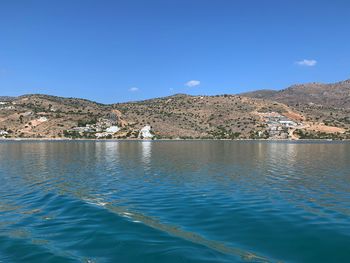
<point x="313" y="106"/>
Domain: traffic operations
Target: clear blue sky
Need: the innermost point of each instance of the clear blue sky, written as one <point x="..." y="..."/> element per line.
<point x="112" y="51"/>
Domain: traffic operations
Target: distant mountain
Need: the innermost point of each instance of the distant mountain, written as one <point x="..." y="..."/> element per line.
<point x="260" y="94"/>
<point x="336" y="95"/>
<point x="6" y="98"/>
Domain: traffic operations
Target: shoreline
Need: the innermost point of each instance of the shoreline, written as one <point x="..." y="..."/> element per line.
<point x="137" y="139"/>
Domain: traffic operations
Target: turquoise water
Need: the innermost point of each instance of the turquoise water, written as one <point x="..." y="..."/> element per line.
<point x="174" y="201"/>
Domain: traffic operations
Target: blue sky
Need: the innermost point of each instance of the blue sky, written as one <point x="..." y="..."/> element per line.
<point x="112" y="51"/>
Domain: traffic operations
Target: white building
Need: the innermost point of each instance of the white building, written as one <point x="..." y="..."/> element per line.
<point x="42" y="119"/>
<point x="100" y="135"/>
<point x="113" y="129"/>
<point x="145" y="132"/>
<point x="288" y="123"/>
<point x="3" y="133"/>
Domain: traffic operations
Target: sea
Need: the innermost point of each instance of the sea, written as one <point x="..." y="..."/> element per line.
<point x="174" y="201"/>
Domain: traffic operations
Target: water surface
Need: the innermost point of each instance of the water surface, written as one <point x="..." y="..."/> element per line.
<point x="174" y="201"/>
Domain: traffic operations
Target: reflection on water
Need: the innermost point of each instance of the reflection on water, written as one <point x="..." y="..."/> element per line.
<point x="168" y="201"/>
<point x="146" y="152"/>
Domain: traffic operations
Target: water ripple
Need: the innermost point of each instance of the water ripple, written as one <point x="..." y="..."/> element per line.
<point x="195" y="201"/>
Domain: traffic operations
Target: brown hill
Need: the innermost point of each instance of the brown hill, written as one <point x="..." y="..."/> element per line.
<point x="301" y="111"/>
<point x="178" y="116"/>
<point x="184" y="116"/>
<point x="335" y="95"/>
<point x="46" y="116"/>
<point x="260" y="94"/>
<point x="328" y="104"/>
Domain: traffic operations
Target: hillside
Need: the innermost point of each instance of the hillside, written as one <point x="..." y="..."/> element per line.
<point x="178" y="116"/>
<point x="256" y="115"/>
<point x="46" y="116"/>
<point x="320" y="103"/>
<point x="185" y="116"/>
<point x="260" y="94"/>
<point x="335" y="95"/>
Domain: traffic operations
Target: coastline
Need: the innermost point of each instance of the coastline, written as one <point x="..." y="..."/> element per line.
<point x="155" y="140"/>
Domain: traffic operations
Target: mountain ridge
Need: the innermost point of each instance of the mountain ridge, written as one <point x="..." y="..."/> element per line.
<point x="299" y="111"/>
<point x="326" y="94"/>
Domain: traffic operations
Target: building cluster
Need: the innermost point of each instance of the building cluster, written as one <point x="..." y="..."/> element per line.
<point x="106" y="128"/>
<point x="278" y="126"/>
<point x="103" y="128"/>
<point x="4" y="106"/>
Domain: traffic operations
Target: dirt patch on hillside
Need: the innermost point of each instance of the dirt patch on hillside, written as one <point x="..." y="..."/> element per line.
<point x="324" y="128"/>
<point x="293" y="116"/>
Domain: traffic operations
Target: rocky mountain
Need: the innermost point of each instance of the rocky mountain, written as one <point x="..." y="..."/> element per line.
<point x="320" y="103"/>
<point x="334" y="95"/>
<point x="303" y="111"/>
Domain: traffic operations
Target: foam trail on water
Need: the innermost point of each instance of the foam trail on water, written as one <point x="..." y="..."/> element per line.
<point x="176" y="231"/>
